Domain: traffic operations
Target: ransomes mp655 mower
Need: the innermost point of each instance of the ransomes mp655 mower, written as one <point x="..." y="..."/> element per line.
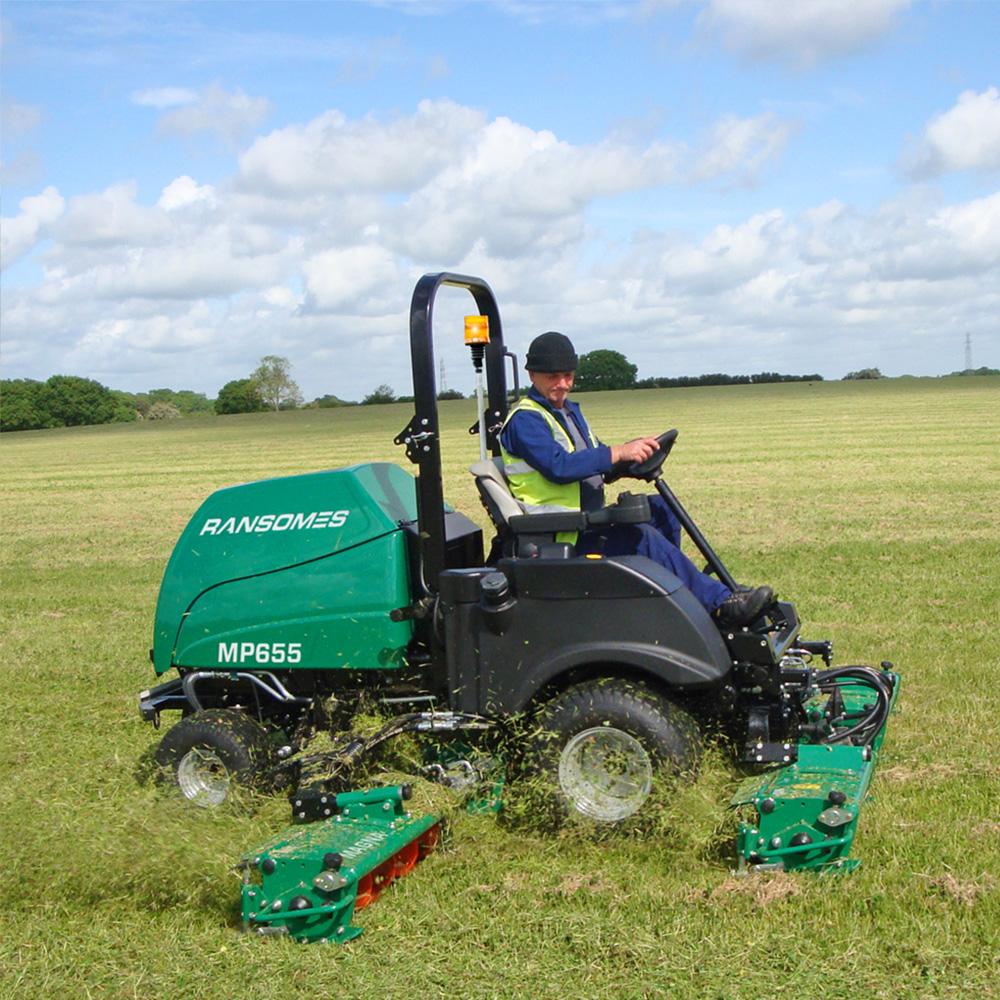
<point x="289" y="602"/>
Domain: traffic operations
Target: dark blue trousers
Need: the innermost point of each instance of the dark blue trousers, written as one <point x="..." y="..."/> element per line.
<point x="660" y="541"/>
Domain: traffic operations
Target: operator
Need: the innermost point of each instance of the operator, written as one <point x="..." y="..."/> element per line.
<point x="553" y="461"/>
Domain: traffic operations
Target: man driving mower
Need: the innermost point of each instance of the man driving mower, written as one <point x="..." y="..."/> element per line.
<point x="553" y="461"/>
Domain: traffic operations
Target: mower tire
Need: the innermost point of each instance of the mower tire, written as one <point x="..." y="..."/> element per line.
<point x="602" y="743"/>
<point x="209" y="752"/>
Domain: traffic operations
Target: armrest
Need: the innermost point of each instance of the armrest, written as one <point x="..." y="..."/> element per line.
<point x="631" y="508"/>
<point x="544" y="524"/>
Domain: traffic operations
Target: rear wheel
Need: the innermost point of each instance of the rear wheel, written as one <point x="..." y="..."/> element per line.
<point x="210" y="753"/>
<point x="603" y="743"/>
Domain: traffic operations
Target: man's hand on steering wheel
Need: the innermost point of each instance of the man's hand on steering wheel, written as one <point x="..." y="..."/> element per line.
<point x="636" y="450"/>
<point x="642" y="458"/>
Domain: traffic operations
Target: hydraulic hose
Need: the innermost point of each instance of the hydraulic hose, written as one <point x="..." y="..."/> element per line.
<point x="872" y="721"/>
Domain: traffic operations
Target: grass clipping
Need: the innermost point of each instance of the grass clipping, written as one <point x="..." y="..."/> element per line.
<point x="686" y="812"/>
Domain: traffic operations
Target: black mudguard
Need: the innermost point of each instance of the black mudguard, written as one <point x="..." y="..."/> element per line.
<point x="572" y="615"/>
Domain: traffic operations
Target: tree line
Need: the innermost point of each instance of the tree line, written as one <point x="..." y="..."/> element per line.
<point x="605" y="369"/>
<point x="70" y="400"/>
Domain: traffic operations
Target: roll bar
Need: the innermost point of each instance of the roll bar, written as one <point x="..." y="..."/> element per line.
<point x="421" y="435"/>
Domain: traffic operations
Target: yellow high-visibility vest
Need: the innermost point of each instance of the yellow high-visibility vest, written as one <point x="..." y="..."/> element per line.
<point x="537" y="493"/>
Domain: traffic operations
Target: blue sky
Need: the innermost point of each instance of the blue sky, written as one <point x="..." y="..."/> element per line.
<point x="706" y="186"/>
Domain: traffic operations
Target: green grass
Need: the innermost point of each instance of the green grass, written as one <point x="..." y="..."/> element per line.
<point x="875" y="506"/>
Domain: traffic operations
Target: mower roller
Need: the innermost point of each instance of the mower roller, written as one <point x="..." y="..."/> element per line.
<point x="290" y="603"/>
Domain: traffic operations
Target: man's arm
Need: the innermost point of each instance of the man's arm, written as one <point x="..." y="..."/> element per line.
<point x="528" y="437"/>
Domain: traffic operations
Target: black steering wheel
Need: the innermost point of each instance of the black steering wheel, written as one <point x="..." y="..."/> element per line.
<point x="649" y="469"/>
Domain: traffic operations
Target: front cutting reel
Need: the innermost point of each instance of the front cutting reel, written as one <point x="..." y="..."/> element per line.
<point x="310" y="882"/>
<point x="804" y="813"/>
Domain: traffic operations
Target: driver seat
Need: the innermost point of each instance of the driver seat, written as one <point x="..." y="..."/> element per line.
<point x="532" y="534"/>
<point x="494" y="491"/>
<point x="529" y="539"/>
<point x="500" y="504"/>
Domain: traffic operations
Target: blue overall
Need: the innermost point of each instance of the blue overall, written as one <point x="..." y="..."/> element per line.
<point x="528" y="437"/>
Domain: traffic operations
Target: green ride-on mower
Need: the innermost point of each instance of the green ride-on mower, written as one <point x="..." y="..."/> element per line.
<point x="288" y="603"/>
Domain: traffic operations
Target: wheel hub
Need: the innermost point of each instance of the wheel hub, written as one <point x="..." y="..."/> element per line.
<point x="605" y="773"/>
<point x="203" y="778"/>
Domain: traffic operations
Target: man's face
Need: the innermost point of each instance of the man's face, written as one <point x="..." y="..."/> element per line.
<point x="554" y="386"/>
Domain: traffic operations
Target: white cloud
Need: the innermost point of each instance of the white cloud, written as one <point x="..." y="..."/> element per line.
<point x="332" y="153"/>
<point x="290" y="258"/>
<point x="513" y="190"/>
<point x="445" y="179"/>
<point x="966" y="137"/>
<point x="727" y="257"/>
<point x="20" y="233"/>
<point x="112" y="217"/>
<point x="345" y="279"/>
<point x="202" y="264"/>
<point x="184" y="191"/>
<point x="279" y="297"/>
<point x="164" y="97"/>
<point x="832" y="289"/>
<point x="742" y="146"/>
<point x="229" y="115"/>
<point x="108" y="246"/>
<point x="802" y="33"/>
<point x="974" y="225"/>
<point x="154" y="333"/>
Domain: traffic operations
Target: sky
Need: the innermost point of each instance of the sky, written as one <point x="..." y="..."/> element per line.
<point x="703" y="185"/>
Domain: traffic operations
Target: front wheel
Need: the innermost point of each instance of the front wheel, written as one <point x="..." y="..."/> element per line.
<point x="210" y="752"/>
<point x="603" y="742"/>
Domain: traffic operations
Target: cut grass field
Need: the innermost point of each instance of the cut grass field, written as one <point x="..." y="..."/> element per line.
<point x="875" y="506"/>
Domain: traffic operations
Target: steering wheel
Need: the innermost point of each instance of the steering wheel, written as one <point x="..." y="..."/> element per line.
<point x="650" y="468"/>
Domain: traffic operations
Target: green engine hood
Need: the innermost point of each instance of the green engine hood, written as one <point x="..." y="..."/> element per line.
<point x="300" y="571"/>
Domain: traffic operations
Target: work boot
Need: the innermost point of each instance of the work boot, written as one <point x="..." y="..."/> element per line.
<point x="743" y="606"/>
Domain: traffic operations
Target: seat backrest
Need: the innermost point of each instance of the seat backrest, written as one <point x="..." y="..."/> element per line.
<point x="501" y="504"/>
<point x="495" y="492"/>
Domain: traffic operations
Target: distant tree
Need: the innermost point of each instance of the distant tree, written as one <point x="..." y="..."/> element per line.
<point x="61" y="401"/>
<point x="241" y="395"/>
<point x="186" y="400"/>
<point x="864" y="373"/>
<point x="276" y="385"/>
<point x="978" y="371"/>
<point x="73" y="401"/>
<point x="21" y="406"/>
<point x="605" y="369"/>
<point x="126" y="407"/>
<point x="380" y="394"/>
<point x="328" y="402"/>
<point x="450" y="394"/>
<point x="162" y="410"/>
